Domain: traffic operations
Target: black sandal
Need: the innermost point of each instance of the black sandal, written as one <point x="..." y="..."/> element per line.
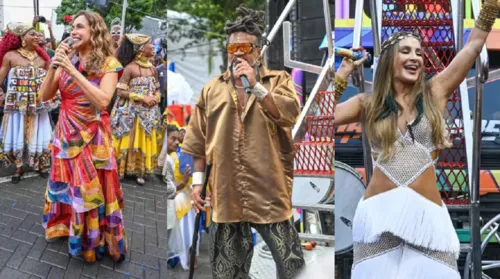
<point x="16" y="178"/>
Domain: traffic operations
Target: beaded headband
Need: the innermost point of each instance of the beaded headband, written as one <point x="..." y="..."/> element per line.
<point x="19" y="28"/>
<point x="396" y="38"/>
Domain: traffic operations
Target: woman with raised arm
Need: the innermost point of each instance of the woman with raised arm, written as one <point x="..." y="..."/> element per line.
<point x="26" y="129"/>
<point x="402" y="228"/>
<point x="84" y="199"/>
<point x="136" y="117"/>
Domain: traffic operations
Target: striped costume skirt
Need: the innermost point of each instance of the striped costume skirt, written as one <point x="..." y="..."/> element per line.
<point x="85" y="203"/>
<point x="400" y="234"/>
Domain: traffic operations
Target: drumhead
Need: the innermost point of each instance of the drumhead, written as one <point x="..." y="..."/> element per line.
<point x="349" y="189"/>
<point x="312" y="189"/>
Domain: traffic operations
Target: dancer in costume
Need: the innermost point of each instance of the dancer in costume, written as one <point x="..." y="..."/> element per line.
<point x="247" y="138"/>
<point x="402" y="228"/>
<point x="84" y="199"/>
<point x="26" y="128"/>
<point x="136" y="117"/>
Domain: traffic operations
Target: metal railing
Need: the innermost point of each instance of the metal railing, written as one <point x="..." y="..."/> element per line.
<point x="482" y="66"/>
<point x="358" y="76"/>
<point x="286" y="11"/>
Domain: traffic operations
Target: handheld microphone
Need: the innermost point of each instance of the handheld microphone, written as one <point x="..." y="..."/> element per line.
<point x="243" y="78"/>
<point x="70" y="43"/>
<point x="353" y="54"/>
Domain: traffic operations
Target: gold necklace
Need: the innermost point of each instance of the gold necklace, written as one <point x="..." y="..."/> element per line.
<point x="143" y="62"/>
<point x="30" y="55"/>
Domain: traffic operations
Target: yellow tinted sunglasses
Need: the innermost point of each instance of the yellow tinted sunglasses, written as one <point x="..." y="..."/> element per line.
<point x="246" y="48"/>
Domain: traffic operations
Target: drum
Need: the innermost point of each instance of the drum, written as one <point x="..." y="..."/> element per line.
<point x="312" y="189"/>
<point x="349" y="189"/>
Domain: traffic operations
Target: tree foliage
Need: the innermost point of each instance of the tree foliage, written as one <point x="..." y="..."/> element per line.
<point x="207" y="23"/>
<point x="137" y="10"/>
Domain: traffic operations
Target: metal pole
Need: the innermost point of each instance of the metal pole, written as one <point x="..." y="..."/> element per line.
<point x="278" y="24"/>
<point x="328" y="23"/>
<point x="124" y="12"/>
<point x="476" y="160"/>
<point x="359" y="81"/>
<point x="375" y="30"/>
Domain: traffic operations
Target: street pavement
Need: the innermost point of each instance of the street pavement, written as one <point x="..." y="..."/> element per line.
<point x="24" y="253"/>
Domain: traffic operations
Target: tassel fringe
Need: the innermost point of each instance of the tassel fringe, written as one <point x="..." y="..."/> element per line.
<point x="408" y="215"/>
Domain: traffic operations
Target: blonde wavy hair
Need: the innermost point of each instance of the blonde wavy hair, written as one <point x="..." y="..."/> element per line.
<point x="100" y="40"/>
<point x="383" y="131"/>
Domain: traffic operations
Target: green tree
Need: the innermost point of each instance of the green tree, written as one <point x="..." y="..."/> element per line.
<point x="133" y="18"/>
<point x="209" y="18"/>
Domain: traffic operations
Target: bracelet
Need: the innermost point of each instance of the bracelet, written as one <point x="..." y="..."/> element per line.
<point x="198" y="178"/>
<point x="259" y="91"/>
<point x="340" y="85"/>
<point x="122" y="86"/>
<point x="135" y="97"/>
<point x="487" y="16"/>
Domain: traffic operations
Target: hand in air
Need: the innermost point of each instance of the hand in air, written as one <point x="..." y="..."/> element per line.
<point x="348" y="65"/>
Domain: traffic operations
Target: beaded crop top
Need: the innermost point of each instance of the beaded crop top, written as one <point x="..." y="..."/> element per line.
<point x="412" y="155"/>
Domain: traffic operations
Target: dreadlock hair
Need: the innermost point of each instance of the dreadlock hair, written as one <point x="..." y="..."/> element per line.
<point x="126" y="52"/>
<point x="248" y="21"/>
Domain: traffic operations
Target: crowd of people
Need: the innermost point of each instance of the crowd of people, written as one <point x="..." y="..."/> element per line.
<point x="105" y="91"/>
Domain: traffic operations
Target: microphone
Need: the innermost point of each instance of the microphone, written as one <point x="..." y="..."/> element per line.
<point x="70" y="43"/>
<point x="243" y="78"/>
<point x="353" y="54"/>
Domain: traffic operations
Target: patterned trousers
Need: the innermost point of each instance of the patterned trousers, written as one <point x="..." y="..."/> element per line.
<point x="231" y="249"/>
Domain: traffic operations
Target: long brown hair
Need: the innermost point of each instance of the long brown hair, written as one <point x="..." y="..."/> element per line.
<point x="100" y="39"/>
<point x="383" y="132"/>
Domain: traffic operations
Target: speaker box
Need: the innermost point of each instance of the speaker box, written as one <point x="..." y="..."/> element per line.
<point x="308" y="31"/>
<point x="275" y="59"/>
<point x="309" y="25"/>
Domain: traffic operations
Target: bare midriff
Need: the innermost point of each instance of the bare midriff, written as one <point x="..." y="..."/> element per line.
<point x="425" y="184"/>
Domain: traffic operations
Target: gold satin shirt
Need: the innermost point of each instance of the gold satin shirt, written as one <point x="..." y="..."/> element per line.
<point x="252" y="155"/>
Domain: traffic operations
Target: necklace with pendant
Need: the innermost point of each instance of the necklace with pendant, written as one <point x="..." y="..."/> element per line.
<point x="30" y="55"/>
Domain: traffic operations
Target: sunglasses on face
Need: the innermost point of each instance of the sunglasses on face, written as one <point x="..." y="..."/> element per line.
<point x="246" y="48"/>
<point x="113" y="33"/>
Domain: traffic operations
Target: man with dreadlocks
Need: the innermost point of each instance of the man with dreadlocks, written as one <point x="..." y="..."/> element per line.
<point x="247" y="138"/>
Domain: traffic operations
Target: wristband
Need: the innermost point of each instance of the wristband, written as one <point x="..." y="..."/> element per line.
<point x="198" y="178"/>
<point x="135" y="97"/>
<point x="259" y="91"/>
<point x="122" y="86"/>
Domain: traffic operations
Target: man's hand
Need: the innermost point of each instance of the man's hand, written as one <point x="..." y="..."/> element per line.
<point x="197" y="202"/>
<point x="49" y="25"/>
<point x="244" y="69"/>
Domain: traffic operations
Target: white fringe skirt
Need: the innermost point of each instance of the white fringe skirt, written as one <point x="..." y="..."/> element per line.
<point x="401" y="234"/>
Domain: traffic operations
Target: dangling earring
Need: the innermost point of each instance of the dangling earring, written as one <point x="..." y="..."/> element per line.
<point x="258" y="62"/>
<point x="23" y="44"/>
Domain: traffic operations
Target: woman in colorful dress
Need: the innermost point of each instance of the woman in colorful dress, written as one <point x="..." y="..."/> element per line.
<point x="26" y="128"/>
<point x="84" y="199"/>
<point x="136" y="117"/>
